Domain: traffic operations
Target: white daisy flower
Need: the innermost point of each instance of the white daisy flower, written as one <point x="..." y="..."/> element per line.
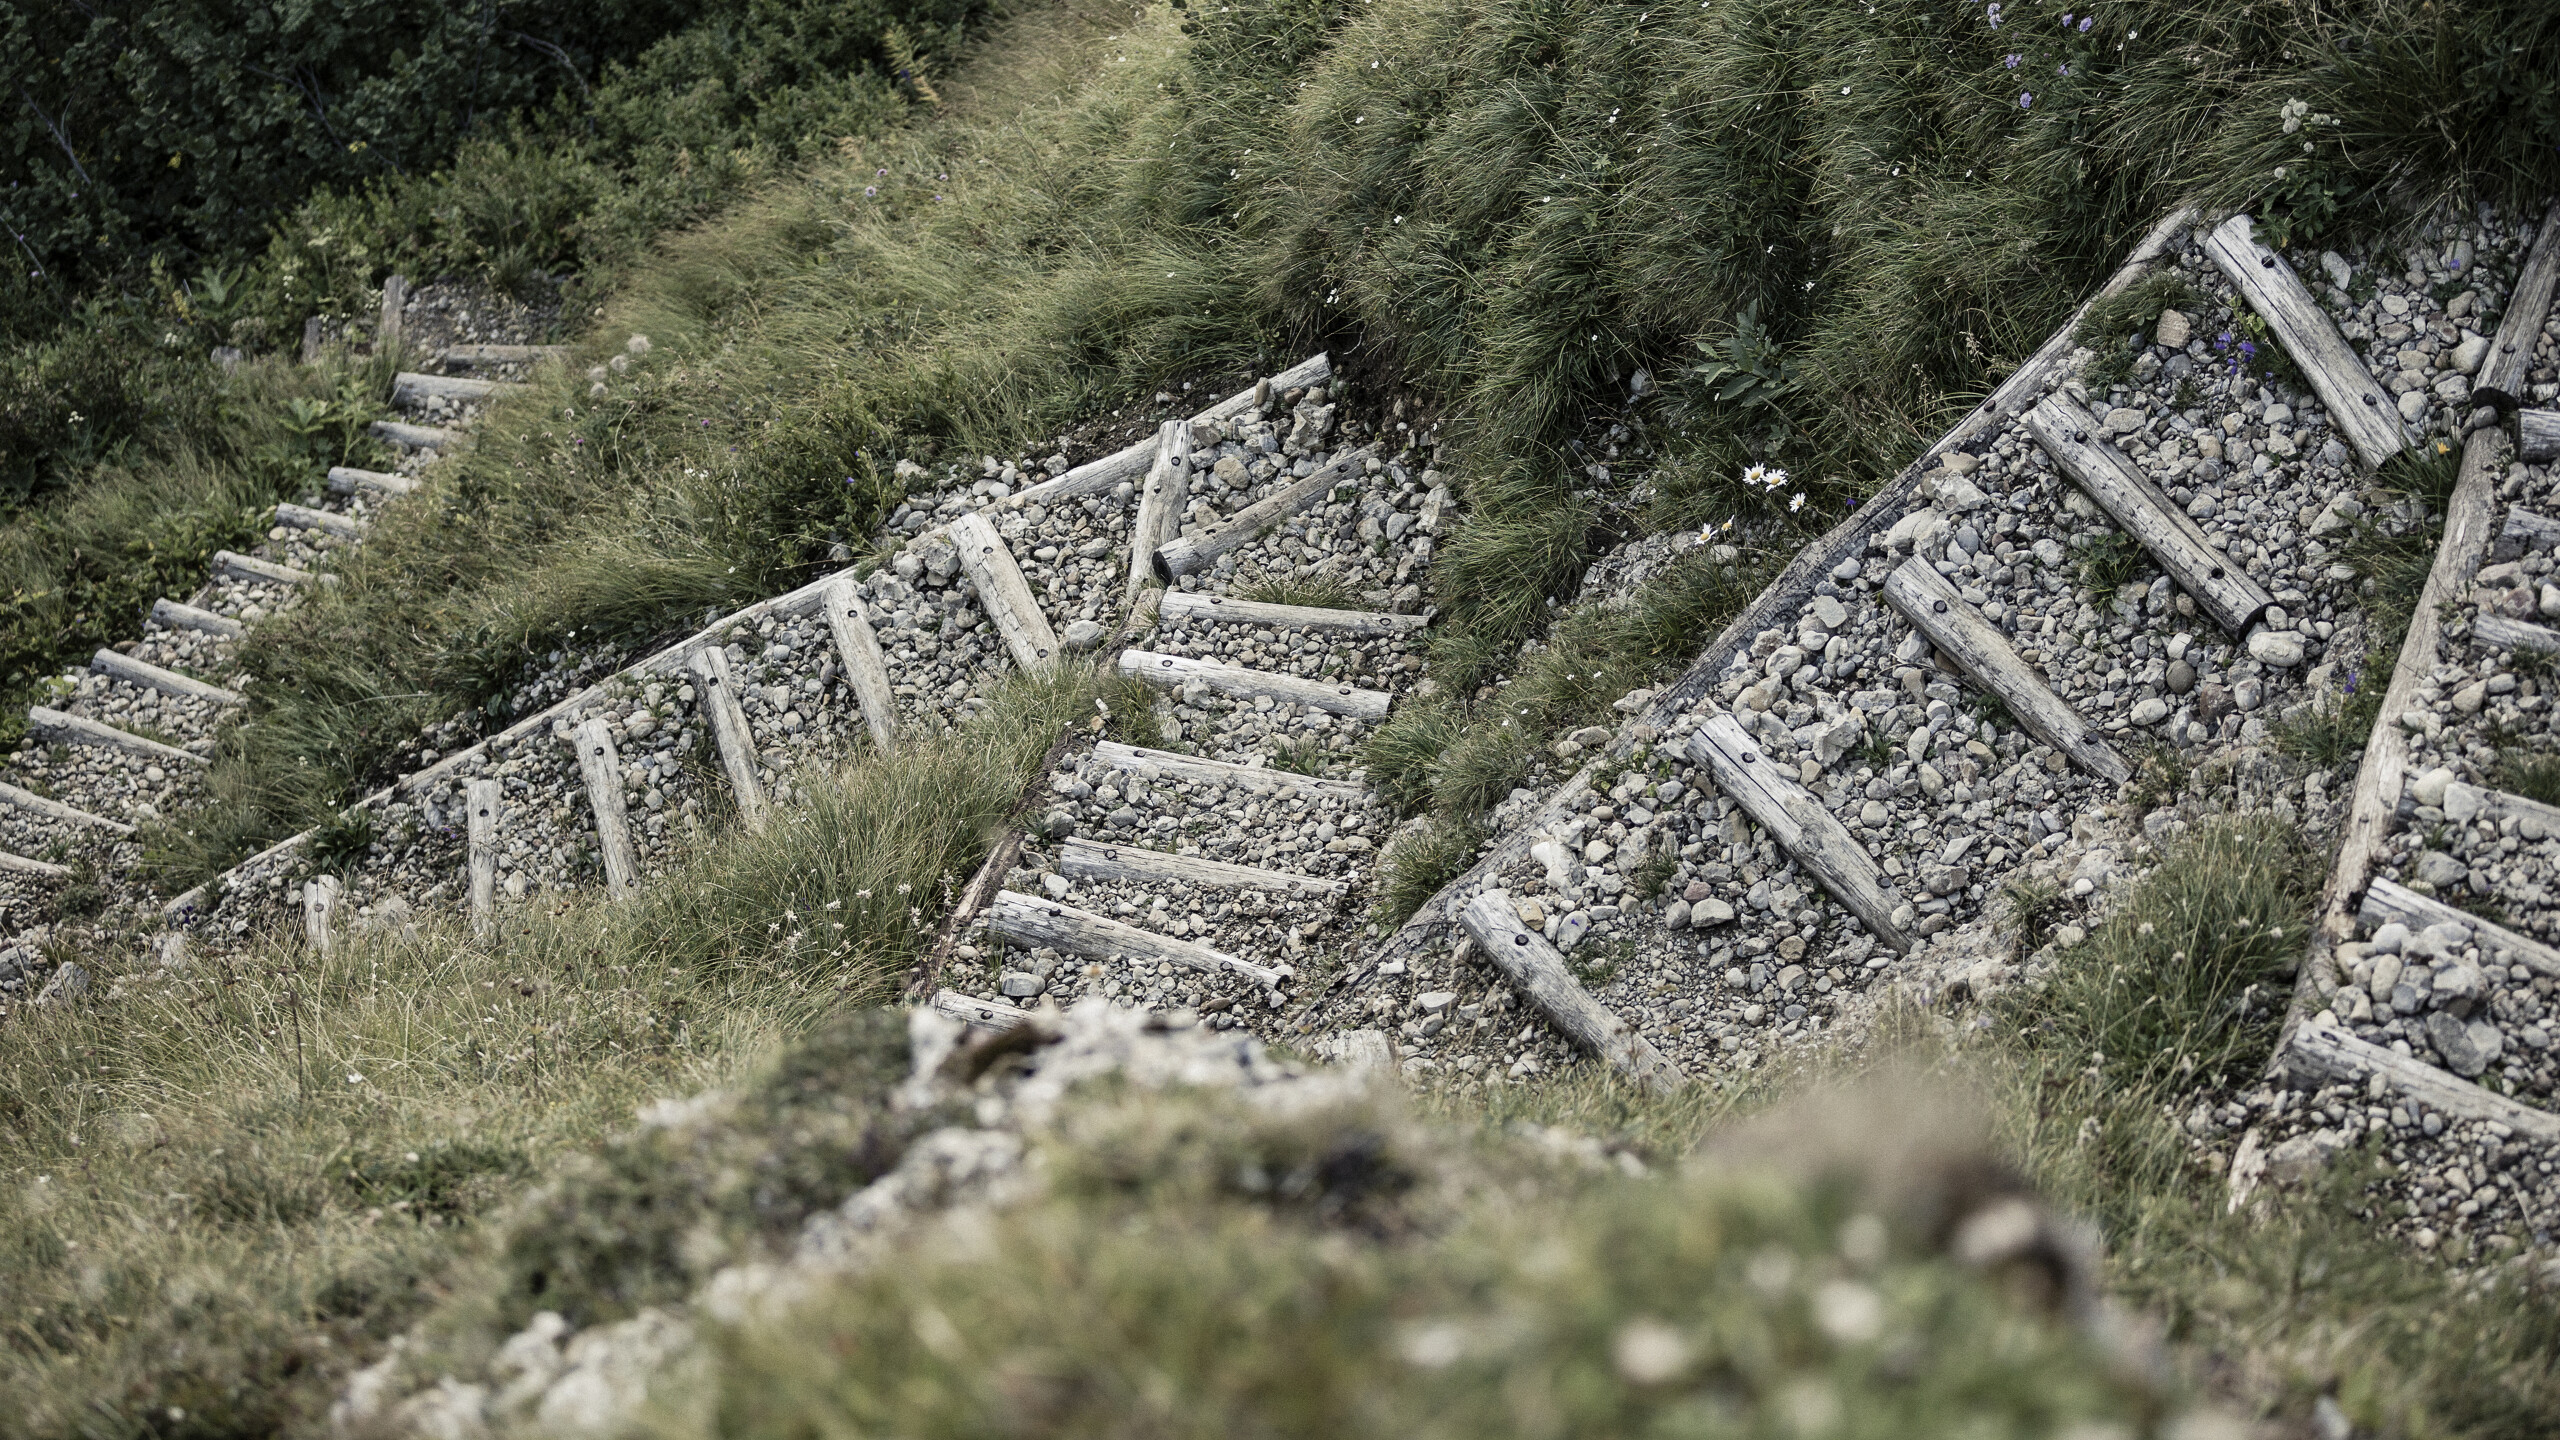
<point x="1796" y="504"/>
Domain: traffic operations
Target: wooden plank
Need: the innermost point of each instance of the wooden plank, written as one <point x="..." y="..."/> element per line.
<point x="718" y="690"/>
<point x="347" y="480"/>
<point x="480" y="801"/>
<point x="1160" y="500"/>
<point x="2538" y="436"/>
<point x="266" y="572"/>
<point x="395" y="297"/>
<point x="1189" y="554"/>
<point x="177" y="616"/>
<point x="1034" y="924"/>
<point x="996" y="1015"/>
<point x="1535" y="970"/>
<point x="1133" y="461"/>
<point x="2497" y="632"/>
<point x="2321" y="1051"/>
<point x="2500" y="380"/>
<point x="1223" y="610"/>
<point x="414" y="437"/>
<point x="866" y="668"/>
<point x="1192" y="770"/>
<point x="601" y="767"/>
<point x="2071" y="436"/>
<point x="1095" y="860"/>
<point x="2524" y="531"/>
<point x="1323" y="695"/>
<point x="117" y="666"/>
<point x="1316" y="369"/>
<point x="2357" y="406"/>
<point x="1799" y="824"/>
<point x="2466" y="803"/>
<point x="410" y="388"/>
<point x="55" y="726"/>
<point x="319" y="910"/>
<point x="2386" y="902"/>
<point x="472" y="356"/>
<point x="1936" y="609"/>
<point x="35" y="804"/>
<point x="21" y="865"/>
<point x="1007" y="596"/>
<point x="303" y="517"/>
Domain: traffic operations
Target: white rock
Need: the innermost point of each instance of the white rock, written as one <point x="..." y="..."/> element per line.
<point x="2429" y="787"/>
<point x="2468" y="355"/>
<point x="1918" y="530"/>
<point x="2278" y="648"/>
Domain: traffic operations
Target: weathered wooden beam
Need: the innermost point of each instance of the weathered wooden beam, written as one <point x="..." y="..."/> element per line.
<point x="178" y="616"/>
<point x="1097" y="860"/>
<point x="347" y="480"/>
<point x="1133" y="461"/>
<point x="2538" y="436"/>
<point x="35" y="804"/>
<point x="1007" y="596"/>
<point x="303" y="517"/>
<point x="1535" y="970"/>
<point x="717" y="688"/>
<point x="866" y="668"/>
<point x="250" y="567"/>
<point x="2500" y="380"/>
<point x="319" y="912"/>
<point x="410" y="388"/>
<point x="1222" y="610"/>
<point x="2524" y="531"/>
<point x="480" y="801"/>
<point x="2071" y="436"/>
<point x="1333" y="699"/>
<point x="1034" y="923"/>
<point x="117" y="666"/>
<point x="414" y="437"/>
<point x="982" y="1014"/>
<point x="1316" y="369"/>
<point x="395" y="298"/>
<point x="55" y="726"/>
<point x="2357" y="406"/>
<point x="1938" y="611"/>
<point x="1191" y="769"/>
<point x="2321" y="1052"/>
<point x="1188" y="554"/>
<point x="473" y="356"/>
<point x="2386" y="902"/>
<point x="1797" y="821"/>
<point x="1160" y="500"/>
<point x="601" y="767"/>
<point x="21" y="865"/>
<point x="2497" y="632"/>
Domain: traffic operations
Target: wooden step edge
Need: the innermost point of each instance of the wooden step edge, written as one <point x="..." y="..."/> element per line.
<point x="2500" y="381"/>
<point x="202" y="898"/>
<point x="997" y="579"/>
<point x="1161" y="498"/>
<point x="2538" y="436"/>
<point x="1225" y="610"/>
<point x="250" y="567"/>
<point x="410" y="385"/>
<point x="2497" y="632"/>
<point x="2322" y="1052"/>
<point x="2358" y="407"/>
<point x="118" y="666"/>
<point x="347" y="480"/>
<point x="414" y="437"/>
<point x="2386" y="901"/>
<point x="477" y="355"/>
<point x="1939" y="611"/>
<point x="1140" y="760"/>
<point x="54" y="725"/>
<point x="1801" y="824"/>
<point x="2524" y="530"/>
<point x="1036" y="923"/>
<point x="178" y="615"/>
<point x="1350" y="701"/>
<point x="995" y="1015"/>
<point x="2464" y="803"/>
<point x="21" y="865"/>
<point x="35" y="804"/>
<point x="1188" y="554"/>
<point x="1080" y="859"/>
<point x="1537" y="971"/>
<point x="303" y="517"/>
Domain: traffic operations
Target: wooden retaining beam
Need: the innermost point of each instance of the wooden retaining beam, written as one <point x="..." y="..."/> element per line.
<point x="2500" y="380"/>
<point x="35" y="804"/>
<point x="1798" y="822"/>
<point x="2466" y="803"/>
<point x="480" y="801"/>
<point x="177" y="616"/>
<point x="1191" y="769"/>
<point x="414" y="437"/>
<point x="2500" y="633"/>
<point x="395" y="298"/>
<point x="2386" y="902"/>
<point x="410" y="388"/>
<point x="303" y="517"/>
<point x="21" y="865"/>
<point x="116" y="665"/>
<point x="1222" y="610"/>
<point x="2524" y="531"/>
<point x="718" y="689"/>
<point x="2322" y="1052"/>
<point x="1537" y="971"/>
<point x="1170" y="670"/>
<point x="996" y="1015"/>
<point x="1938" y="611"/>
<point x="267" y="572"/>
<point x="1160" y="500"/>
<point x="2071" y="436"/>
<point x="1034" y="923"/>
<point x="2538" y="436"/>
<point x="319" y="909"/>
<point x="866" y="669"/>
<point x="601" y="767"/>
<point x="347" y="480"/>
<point x="1095" y="476"/>
<point x="2357" y="406"/>
<point x="1007" y="596"/>
<point x="54" y="725"/>
<point x="1095" y="860"/>
<point x="474" y="356"/>
<point x="1189" y="554"/>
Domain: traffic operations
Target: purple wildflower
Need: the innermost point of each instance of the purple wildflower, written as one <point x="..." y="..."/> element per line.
<point x="2066" y="19"/>
<point x="2013" y="60"/>
<point x="2086" y="21"/>
<point x="2026" y="99"/>
<point x="2062" y="69"/>
<point x="870" y="190"/>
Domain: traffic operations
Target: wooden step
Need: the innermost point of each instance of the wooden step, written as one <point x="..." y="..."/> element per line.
<point x="303" y="517"/>
<point x="35" y="804"/>
<point x="1333" y="699"/>
<point x="2358" y="407"/>
<point x="179" y="616"/>
<point x="2322" y="1052"/>
<point x="1538" y="972"/>
<point x="1798" y="822"/>
<point x="717" y="687"/>
<point x="601" y="768"/>
<point x="1223" y="610"/>
<point x="1160" y="500"/>
<point x="2466" y="803"/>
<point x="2524" y="531"/>
<point x="474" y="356"/>
<point x="59" y="728"/>
<point x="1938" y="611"/>
<point x="2386" y="902"/>
<point x="410" y="388"/>
<point x="2538" y="436"/>
<point x="866" y="669"/>
<point x="1034" y="923"/>
<point x="1191" y="769"/>
<point x="347" y="480"/>
<point x="250" y="567"/>
<point x="1007" y="596"/>
<point x="1095" y="860"/>
<point x="1188" y="554"/>
<point x="414" y="437"/>
<point x="117" y="666"/>
<point x="2497" y="632"/>
<point x="21" y="865"/>
<point x="998" y="1015"/>
<point x="2500" y="380"/>
<point x="2071" y="436"/>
